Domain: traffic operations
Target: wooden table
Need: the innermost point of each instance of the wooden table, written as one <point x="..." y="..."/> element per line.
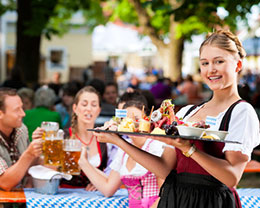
<point x="250" y="198"/>
<point x="252" y="166"/>
<point x="14" y="196"/>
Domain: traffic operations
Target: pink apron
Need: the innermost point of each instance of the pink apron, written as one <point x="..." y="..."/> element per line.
<point x="143" y="190"/>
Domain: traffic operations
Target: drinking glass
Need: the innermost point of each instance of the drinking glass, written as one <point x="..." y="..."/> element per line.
<point x="71" y="155"/>
<point x="52" y="145"/>
<point x="50" y="129"/>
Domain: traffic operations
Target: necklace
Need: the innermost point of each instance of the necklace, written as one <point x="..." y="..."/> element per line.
<point x="87" y="144"/>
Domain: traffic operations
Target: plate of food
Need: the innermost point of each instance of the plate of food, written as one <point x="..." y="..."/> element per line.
<point x="217" y="135"/>
<point x="163" y="123"/>
<point x="160" y="134"/>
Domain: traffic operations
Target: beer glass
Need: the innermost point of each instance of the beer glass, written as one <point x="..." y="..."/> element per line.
<point x="71" y="155"/>
<point x="50" y="129"/>
<point x="52" y="145"/>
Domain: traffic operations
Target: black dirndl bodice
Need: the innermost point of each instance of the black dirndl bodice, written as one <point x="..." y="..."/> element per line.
<point x="190" y="186"/>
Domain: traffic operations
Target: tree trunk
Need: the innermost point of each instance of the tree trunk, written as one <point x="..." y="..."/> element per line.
<point x="27" y="46"/>
<point x="172" y="55"/>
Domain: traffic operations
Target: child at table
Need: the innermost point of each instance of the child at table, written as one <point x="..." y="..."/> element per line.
<point x="142" y="185"/>
<point x="123" y="99"/>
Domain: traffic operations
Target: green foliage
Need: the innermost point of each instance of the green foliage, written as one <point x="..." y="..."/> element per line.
<point x="59" y="22"/>
<point x="122" y="10"/>
<point x="94" y="16"/>
<point x="191" y="26"/>
<point x="195" y="16"/>
<point x="9" y="5"/>
<point x="160" y="20"/>
<point x="200" y="16"/>
<point x="41" y="11"/>
<point x="238" y="11"/>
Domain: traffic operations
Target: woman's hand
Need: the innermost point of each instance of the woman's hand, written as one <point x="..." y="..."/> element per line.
<point x="91" y="187"/>
<point x="182" y="144"/>
<point x="107" y="138"/>
<point x="83" y="157"/>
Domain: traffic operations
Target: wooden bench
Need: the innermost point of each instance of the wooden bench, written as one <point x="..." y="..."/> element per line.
<point x="252" y="167"/>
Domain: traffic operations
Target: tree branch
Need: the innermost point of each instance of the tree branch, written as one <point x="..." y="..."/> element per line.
<point x="146" y="27"/>
<point x="176" y="4"/>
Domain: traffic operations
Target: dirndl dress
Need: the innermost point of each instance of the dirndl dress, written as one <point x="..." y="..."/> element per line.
<point x="190" y="186"/>
<point x="143" y="190"/>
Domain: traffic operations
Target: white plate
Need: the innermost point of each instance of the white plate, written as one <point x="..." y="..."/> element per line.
<point x="190" y="131"/>
<point x="218" y="135"/>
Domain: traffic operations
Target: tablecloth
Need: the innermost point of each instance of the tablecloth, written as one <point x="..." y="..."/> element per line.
<point x="249" y="197"/>
<point x="73" y="198"/>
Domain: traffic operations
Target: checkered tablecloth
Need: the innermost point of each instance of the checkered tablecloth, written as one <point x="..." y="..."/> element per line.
<point x="249" y="197"/>
<point x="73" y="198"/>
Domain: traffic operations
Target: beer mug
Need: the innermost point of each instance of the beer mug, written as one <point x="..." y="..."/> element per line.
<point x="71" y="155"/>
<point x="52" y="145"/>
<point x="50" y="129"/>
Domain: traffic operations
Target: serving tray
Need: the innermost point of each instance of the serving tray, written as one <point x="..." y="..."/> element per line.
<point x="161" y="135"/>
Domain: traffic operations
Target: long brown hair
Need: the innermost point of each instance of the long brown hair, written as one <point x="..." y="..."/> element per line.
<point x="225" y="40"/>
<point x="74" y="121"/>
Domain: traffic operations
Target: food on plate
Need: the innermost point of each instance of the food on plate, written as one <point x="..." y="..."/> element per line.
<point x="158" y="130"/>
<point x="127" y="125"/>
<point x="112" y="124"/>
<point x="156" y="116"/>
<point x="213" y="137"/>
<point x="200" y="124"/>
<point x="216" y="135"/>
<point x="171" y="129"/>
<point x="144" y="125"/>
<point x="165" y="118"/>
<point x="161" y="121"/>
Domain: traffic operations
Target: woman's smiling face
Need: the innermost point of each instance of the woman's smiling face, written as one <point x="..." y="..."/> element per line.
<point x="218" y="67"/>
<point x="87" y="109"/>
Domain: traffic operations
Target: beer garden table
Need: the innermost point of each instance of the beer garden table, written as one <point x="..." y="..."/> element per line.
<point x="69" y="198"/>
<point x="250" y="198"/>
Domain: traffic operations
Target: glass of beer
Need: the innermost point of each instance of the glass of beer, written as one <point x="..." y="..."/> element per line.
<point x="71" y="155"/>
<point x="50" y="129"/>
<point x="52" y="145"/>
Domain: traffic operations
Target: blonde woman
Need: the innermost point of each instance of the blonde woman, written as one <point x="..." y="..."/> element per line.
<point x="200" y="173"/>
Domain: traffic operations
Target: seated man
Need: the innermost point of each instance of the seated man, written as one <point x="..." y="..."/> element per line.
<point x="17" y="155"/>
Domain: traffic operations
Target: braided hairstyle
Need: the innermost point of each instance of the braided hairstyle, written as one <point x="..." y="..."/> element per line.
<point x="225" y="40"/>
<point x="74" y="119"/>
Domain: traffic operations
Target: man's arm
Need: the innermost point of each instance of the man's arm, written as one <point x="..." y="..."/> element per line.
<point x="14" y="174"/>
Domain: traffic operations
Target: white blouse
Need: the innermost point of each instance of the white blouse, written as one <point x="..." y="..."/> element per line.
<point x="95" y="160"/>
<point x="120" y="159"/>
<point x="243" y="127"/>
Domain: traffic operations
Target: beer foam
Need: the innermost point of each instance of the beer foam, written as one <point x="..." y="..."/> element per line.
<point x="53" y="138"/>
<point x="71" y="149"/>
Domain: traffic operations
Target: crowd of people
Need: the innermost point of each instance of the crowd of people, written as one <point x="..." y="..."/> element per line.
<point x="189" y="173"/>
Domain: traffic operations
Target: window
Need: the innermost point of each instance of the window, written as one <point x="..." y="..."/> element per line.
<point x="57" y="59"/>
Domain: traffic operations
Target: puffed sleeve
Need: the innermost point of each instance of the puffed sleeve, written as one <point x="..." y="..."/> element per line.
<point x="244" y="128"/>
<point x="118" y="160"/>
<point x="156" y="147"/>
